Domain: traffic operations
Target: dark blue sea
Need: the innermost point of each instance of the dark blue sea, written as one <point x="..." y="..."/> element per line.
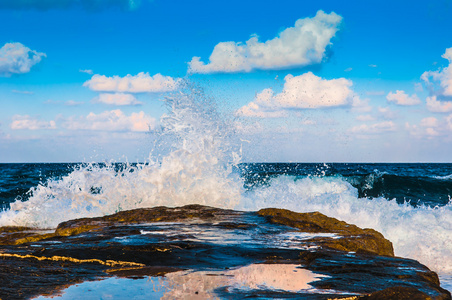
<point x="416" y="184"/>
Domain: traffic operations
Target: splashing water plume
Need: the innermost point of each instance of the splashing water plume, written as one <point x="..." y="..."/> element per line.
<point x="197" y="169"/>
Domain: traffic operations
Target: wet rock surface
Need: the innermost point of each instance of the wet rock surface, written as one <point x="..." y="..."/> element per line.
<point x="213" y="246"/>
<point x="352" y="238"/>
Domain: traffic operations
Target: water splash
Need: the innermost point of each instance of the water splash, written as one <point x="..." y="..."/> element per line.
<point x="197" y="168"/>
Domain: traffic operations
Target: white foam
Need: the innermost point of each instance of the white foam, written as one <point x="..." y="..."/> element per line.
<point x="446" y="177"/>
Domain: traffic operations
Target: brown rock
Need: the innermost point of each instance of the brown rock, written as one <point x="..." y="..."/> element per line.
<point x="352" y="238"/>
<point x="397" y="293"/>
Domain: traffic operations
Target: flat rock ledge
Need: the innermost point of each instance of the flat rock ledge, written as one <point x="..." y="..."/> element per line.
<point x="350" y="262"/>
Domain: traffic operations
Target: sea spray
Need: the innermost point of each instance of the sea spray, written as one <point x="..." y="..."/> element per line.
<point x="196" y="169"/>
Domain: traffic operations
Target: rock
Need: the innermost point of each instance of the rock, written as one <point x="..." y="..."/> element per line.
<point x="352" y="238"/>
<point x="219" y="248"/>
<point x="398" y="293"/>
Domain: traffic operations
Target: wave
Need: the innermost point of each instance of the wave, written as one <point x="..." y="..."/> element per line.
<point x="416" y="191"/>
<point x="446" y="177"/>
<point x="417" y="188"/>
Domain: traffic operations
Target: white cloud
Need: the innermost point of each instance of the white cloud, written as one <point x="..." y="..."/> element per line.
<point x="117" y="99"/>
<point x="418" y="87"/>
<point x="29" y="123"/>
<point x="429" y="122"/>
<point x="306" y="91"/>
<point x="140" y="83"/>
<point x="428" y="128"/>
<point x="64" y="4"/>
<point x="307" y="122"/>
<point x="442" y="77"/>
<point x="376" y="128"/>
<point x="16" y="58"/>
<point x="434" y="105"/>
<point x="114" y="120"/>
<point x="73" y="103"/>
<point x="310" y="91"/>
<point x="401" y="98"/>
<point x="253" y="109"/>
<point x="373" y="66"/>
<point x="90" y="72"/>
<point x="365" y="118"/>
<point x="431" y="127"/>
<point x="348" y="69"/>
<point x="449" y="122"/>
<point x="422" y="132"/>
<point x="360" y="105"/>
<point x="301" y="45"/>
<point x="387" y="113"/>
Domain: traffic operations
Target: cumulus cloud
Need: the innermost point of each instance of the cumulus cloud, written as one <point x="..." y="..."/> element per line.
<point x="443" y="77"/>
<point x="427" y="128"/>
<point x="306" y="91"/>
<point x="301" y="45"/>
<point x="253" y="109"/>
<point x="16" y="58"/>
<point x="429" y="122"/>
<point x="360" y="105"/>
<point x="310" y="91"/>
<point x="401" y="98"/>
<point x="64" y="4"/>
<point x="431" y="127"/>
<point x="376" y="128"/>
<point x="119" y="99"/>
<point x="114" y="120"/>
<point x="29" y="123"/>
<point x="435" y="105"/>
<point x="140" y="83"/>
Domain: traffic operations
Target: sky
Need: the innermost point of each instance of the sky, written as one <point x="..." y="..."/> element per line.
<point x="302" y="81"/>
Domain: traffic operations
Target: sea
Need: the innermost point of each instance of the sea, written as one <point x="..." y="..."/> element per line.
<point x="197" y="158"/>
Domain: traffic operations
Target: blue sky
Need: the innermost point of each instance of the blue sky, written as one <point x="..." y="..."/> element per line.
<point x="323" y="81"/>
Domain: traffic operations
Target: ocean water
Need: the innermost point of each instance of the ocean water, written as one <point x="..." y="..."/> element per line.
<point x="197" y="159"/>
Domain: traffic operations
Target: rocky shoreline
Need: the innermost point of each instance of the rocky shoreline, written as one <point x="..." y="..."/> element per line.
<point x="223" y="249"/>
